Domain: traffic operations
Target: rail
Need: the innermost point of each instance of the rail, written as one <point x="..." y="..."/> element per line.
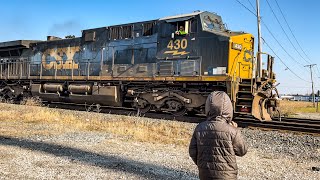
<point x="286" y="124"/>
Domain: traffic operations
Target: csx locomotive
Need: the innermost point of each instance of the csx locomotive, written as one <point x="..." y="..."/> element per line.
<point x="146" y="65"/>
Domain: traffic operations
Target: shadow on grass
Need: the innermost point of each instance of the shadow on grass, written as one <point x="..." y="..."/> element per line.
<point x="145" y="170"/>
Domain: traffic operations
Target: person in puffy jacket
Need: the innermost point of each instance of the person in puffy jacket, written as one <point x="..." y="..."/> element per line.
<point x="216" y="142"/>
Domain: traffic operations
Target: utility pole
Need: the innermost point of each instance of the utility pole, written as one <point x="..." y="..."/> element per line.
<point x="310" y="66"/>
<point x="259" y="59"/>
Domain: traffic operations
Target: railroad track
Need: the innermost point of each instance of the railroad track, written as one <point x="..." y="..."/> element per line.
<point x="287" y="124"/>
<point x="310" y="126"/>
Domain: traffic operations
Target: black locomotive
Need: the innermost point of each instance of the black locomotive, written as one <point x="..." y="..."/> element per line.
<point x="169" y="64"/>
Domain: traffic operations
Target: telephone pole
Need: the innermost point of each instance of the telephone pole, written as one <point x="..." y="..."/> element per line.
<point x="310" y="66"/>
<point x="259" y="59"/>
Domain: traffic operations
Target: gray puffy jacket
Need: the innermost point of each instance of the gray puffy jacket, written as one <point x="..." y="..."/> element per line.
<point x="215" y="144"/>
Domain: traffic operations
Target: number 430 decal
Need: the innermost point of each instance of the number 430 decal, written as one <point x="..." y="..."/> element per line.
<point x="177" y="47"/>
<point x="177" y="44"/>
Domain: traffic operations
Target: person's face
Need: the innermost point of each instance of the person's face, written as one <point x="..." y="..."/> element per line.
<point x="181" y="28"/>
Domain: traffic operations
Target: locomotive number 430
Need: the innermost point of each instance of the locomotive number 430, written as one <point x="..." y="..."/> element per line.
<point x="177" y="44"/>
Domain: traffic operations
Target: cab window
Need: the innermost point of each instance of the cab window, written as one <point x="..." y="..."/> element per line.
<point x="212" y="23"/>
<point x="182" y="26"/>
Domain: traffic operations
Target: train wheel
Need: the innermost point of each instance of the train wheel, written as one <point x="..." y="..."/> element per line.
<point x="7" y="95"/>
<point x="176" y="107"/>
<point x="142" y="106"/>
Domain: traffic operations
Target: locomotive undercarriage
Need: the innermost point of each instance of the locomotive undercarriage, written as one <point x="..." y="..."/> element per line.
<point x="176" y="99"/>
<point x="171" y="97"/>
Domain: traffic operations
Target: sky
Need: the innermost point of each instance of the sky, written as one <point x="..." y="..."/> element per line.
<point x="36" y="19"/>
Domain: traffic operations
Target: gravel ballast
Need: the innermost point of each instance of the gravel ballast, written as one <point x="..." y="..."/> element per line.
<point x="101" y="155"/>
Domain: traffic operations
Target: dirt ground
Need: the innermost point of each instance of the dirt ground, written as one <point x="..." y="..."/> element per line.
<point x="26" y="152"/>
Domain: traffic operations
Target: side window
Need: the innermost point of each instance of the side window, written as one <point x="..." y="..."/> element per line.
<point x="148" y="29"/>
<point x="121" y="32"/>
<point x="90" y="36"/>
<point x="115" y="33"/>
<point x="126" y="32"/>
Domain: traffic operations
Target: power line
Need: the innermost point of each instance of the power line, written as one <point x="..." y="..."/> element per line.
<point x="291" y="31"/>
<point x="298" y="87"/>
<point x="252" y="5"/>
<point x="274" y="14"/>
<point x="273" y="36"/>
<point x="283" y="62"/>
<point x="246" y="8"/>
<point x="285" y="19"/>
<point x="277" y="42"/>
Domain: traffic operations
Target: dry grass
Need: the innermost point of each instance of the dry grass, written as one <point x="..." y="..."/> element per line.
<point x="32" y="101"/>
<point x="292" y="107"/>
<point x="25" y="121"/>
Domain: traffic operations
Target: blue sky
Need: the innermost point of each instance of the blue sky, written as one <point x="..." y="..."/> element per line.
<point x="35" y="19"/>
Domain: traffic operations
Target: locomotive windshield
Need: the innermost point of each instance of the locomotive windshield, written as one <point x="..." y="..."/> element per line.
<point x="211" y="22"/>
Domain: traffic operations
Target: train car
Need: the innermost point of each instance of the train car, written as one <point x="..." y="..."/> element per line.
<point x="169" y="64"/>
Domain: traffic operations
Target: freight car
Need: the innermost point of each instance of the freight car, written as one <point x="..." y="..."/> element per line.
<point x="169" y="64"/>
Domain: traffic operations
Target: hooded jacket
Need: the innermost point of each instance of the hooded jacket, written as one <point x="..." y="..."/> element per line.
<point x="215" y="144"/>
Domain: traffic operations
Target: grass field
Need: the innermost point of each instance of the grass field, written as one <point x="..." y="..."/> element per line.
<point x="291" y="107"/>
<point x="29" y="120"/>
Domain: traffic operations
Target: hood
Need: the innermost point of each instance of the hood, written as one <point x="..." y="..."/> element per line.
<point x="218" y="104"/>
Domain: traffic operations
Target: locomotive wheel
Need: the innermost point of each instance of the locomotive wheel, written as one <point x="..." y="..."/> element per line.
<point x="7" y="95"/>
<point x="144" y="110"/>
<point x="176" y="107"/>
<point x="143" y="106"/>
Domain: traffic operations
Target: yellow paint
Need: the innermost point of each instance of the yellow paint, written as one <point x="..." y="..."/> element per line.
<point x="241" y="62"/>
<point x="176" y="52"/>
<point x="58" y="54"/>
<point x="178" y="44"/>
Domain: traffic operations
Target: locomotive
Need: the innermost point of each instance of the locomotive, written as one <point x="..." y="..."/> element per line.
<point x="148" y="66"/>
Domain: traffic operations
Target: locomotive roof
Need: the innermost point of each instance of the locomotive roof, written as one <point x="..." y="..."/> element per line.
<point x="17" y="43"/>
<point x="164" y="18"/>
<point x="182" y="15"/>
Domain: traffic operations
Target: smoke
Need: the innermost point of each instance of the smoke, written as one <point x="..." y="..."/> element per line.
<point x="63" y="29"/>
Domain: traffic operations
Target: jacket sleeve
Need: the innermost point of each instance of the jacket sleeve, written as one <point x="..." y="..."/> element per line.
<point x="193" y="148"/>
<point x="239" y="144"/>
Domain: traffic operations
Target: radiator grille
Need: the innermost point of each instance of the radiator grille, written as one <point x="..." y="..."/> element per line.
<point x="166" y="68"/>
<point x="187" y="68"/>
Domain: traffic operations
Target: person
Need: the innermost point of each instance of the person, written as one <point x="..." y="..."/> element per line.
<point x="216" y="142"/>
<point x="181" y="31"/>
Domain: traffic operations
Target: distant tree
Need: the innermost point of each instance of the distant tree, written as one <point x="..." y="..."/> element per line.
<point x="70" y="36"/>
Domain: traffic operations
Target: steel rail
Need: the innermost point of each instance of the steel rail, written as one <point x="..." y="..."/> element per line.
<point x="290" y="124"/>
